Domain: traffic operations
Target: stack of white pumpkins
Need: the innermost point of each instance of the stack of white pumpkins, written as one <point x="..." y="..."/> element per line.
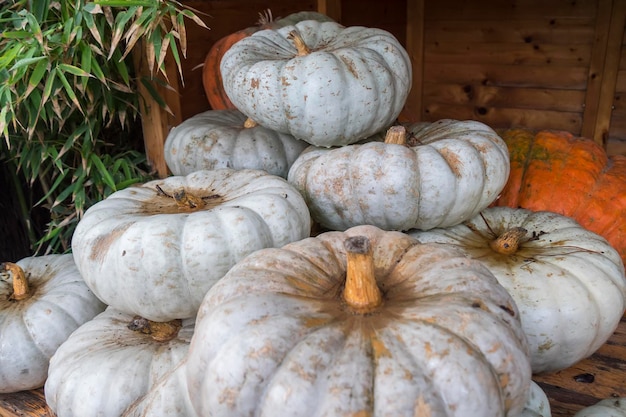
<point x="414" y="299"/>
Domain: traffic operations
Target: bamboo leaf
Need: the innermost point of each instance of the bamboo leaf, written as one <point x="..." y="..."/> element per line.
<point x="126" y="3"/>
<point x="36" y="77"/>
<point x="68" y="90"/>
<point x="93" y="29"/>
<point x="74" y="70"/>
<point x="24" y="62"/>
<point x="106" y="176"/>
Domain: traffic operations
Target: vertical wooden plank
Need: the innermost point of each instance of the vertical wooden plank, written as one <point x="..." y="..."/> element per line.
<point x="331" y="8"/>
<point x="609" y="75"/>
<point x="596" y="76"/>
<point x="156" y="121"/>
<point x="413" y="108"/>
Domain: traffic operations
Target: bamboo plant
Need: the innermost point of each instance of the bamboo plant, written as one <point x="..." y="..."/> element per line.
<point x="69" y="105"/>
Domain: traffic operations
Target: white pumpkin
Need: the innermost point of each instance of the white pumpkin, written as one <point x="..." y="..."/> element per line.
<point x="155" y="249"/>
<point x="363" y="322"/>
<point x="324" y="83"/>
<point x="428" y="175"/>
<point x="608" y="407"/>
<point x="567" y="281"/>
<point x="112" y="361"/>
<point x="166" y="397"/>
<point x="43" y="299"/>
<point x="228" y="139"/>
<point x="538" y="404"/>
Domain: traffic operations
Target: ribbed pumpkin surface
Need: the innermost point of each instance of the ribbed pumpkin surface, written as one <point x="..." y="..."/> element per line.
<point x="560" y="172"/>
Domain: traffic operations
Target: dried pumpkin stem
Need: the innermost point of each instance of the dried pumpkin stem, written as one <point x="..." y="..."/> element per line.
<point x="184" y="200"/>
<point x="361" y="291"/>
<point x="301" y="47"/>
<point x="158" y="331"/>
<point x="249" y="123"/>
<point x="21" y="290"/>
<point x="396" y="135"/>
<point x="508" y="242"/>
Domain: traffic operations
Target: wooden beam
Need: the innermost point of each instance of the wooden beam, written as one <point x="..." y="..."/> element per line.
<point x="609" y="75"/>
<point x="413" y="109"/>
<point x="603" y="68"/>
<point x="331" y="8"/>
<point x="156" y="120"/>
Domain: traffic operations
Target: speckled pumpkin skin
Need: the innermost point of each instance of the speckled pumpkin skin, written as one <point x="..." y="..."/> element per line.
<point x="567" y="281"/>
<point x="142" y="253"/>
<point x="353" y="83"/>
<point x="211" y="74"/>
<point x="274" y="338"/>
<point x="448" y="172"/>
<point x="31" y="330"/>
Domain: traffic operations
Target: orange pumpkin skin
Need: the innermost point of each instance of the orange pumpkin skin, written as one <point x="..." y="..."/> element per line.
<point x="573" y="176"/>
<point x="211" y="75"/>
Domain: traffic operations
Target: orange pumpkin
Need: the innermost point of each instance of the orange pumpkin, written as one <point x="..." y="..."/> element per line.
<point x="211" y="76"/>
<point x="573" y="176"/>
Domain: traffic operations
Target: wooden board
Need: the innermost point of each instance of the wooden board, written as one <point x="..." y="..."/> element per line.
<point x="603" y="375"/>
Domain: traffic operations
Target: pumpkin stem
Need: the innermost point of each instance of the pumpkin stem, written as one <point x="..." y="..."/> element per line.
<point x="249" y="123"/>
<point x="265" y="18"/>
<point x="20" y="283"/>
<point x="508" y="242"/>
<point x="396" y="135"/>
<point x="361" y="292"/>
<point x="158" y="331"/>
<point x="299" y="43"/>
<point x="183" y="199"/>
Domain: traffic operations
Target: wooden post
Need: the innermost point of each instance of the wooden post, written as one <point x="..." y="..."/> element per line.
<point x="331" y="8"/>
<point x="156" y="121"/>
<point x="413" y="108"/>
<point x="603" y="69"/>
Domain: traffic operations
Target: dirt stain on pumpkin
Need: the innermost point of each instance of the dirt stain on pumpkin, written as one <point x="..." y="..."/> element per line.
<point x="102" y="244"/>
<point x="453" y="160"/>
<point x="350" y="66"/>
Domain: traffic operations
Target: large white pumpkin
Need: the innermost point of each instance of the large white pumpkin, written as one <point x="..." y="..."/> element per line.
<point x="567" y="281"/>
<point x="440" y="175"/>
<point x="324" y="83"/>
<point x="358" y="323"/>
<point x="155" y="249"/>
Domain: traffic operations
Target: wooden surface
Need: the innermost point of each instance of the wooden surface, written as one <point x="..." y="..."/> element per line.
<point x="603" y="375"/>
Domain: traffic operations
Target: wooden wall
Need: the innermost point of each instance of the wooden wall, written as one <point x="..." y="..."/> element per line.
<point x="558" y="64"/>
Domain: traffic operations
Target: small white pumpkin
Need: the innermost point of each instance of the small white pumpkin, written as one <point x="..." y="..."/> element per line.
<point x="424" y="175"/>
<point x="608" y="407"/>
<point x="538" y="404"/>
<point x="112" y="361"/>
<point x="43" y="299"/>
<point x="324" y="83"/>
<point x="155" y="249"/>
<point x="567" y="281"/>
<point x="228" y="139"/>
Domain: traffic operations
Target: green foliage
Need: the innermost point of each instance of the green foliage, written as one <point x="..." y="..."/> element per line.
<point x="69" y="102"/>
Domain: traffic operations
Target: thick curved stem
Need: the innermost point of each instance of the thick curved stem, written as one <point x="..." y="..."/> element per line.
<point x="361" y="292"/>
<point x="21" y="291"/>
